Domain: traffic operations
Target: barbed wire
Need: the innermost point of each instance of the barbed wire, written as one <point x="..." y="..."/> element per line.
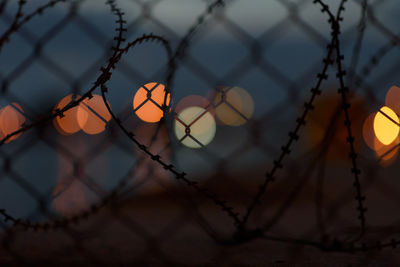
<point x="332" y="57"/>
<point x="63" y="222"/>
<point x="104" y="77"/>
<point x="301" y="120"/>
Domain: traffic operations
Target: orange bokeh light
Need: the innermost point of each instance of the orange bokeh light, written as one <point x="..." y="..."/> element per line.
<point x="92" y="115"/>
<point x="234" y="106"/>
<point x="148" y="102"/>
<point x="386" y="154"/>
<point x="11" y="119"/>
<point x="392" y="99"/>
<point x="321" y="125"/>
<point x="68" y="123"/>
<point x="368" y="133"/>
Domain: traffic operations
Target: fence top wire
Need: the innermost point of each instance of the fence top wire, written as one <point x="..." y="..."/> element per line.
<point x="350" y="77"/>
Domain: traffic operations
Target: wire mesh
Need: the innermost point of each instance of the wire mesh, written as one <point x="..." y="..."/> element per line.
<point x="168" y="132"/>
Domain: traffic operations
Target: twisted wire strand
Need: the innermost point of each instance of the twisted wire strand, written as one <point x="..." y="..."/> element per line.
<point x="352" y="246"/>
<point x="63" y="222"/>
<point x="181" y="176"/>
<point x="300" y="121"/>
<point x="88" y="95"/>
<point x="105" y="76"/>
<point x="343" y="91"/>
<point x="178" y="54"/>
<point x="20" y="20"/>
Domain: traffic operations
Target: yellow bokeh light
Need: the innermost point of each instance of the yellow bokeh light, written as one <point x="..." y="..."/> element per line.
<point x="195" y="127"/>
<point x="233" y="106"/>
<point x="11" y="120"/>
<point x="67" y="124"/>
<point x="149" y="100"/>
<point x="385" y="154"/>
<point x="92" y="115"/>
<point x="386" y="130"/>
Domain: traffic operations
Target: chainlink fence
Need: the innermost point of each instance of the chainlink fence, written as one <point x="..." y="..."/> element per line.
<point x="171" y="132"/>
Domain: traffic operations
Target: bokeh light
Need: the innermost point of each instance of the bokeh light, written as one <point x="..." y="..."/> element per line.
<point x="11" y="119"/>
<point x="148" y="102"/>
<point x="392" y="99"/>
<point x="386" y="130"/>
<point x="194" y="101"/>
<point x="326" y="124"/>
<point x="386" y="154"/>
<point x="92" y="115"/>
<point x="195" y="127"/>
<point x="233" y="105"/>
<point x="368" y="133"/>
<point x="67" y="124"/>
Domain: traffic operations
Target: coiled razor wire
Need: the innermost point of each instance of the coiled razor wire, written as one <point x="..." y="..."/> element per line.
<point x="333" y="57"/>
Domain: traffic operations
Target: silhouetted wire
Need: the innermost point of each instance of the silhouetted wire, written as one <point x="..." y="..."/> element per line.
<point x="157" y="158"/>
<point x="64" y="221"/>
<point x="174" y="58"/>
<point x="343" y="91"/>
<point x="20" y="20"/>
<point x="294" y="135"/>
<point x="105" y="76"/>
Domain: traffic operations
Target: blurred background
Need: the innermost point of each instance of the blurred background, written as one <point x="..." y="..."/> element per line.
<point x="236" y="94"/>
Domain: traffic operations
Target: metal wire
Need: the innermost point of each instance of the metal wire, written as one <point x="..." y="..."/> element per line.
<point x="228" y="211"/>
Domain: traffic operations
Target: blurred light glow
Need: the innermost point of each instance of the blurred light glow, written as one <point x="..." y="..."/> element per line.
<point x="148" y="102"/>
<point x="392" y="99"/>
<point x="195" y="127"/>
<point x="11" y="120"/>
<point x="327" y="122"/>
<point x="385" y="129"/>
<point x="92" y="115"/>
<point x="194" y="101"/>
<point x="368" y="133"/>
<point x="67" y="124"/>
<point x="386" y="154"/>
<point x="233" y="106"/>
